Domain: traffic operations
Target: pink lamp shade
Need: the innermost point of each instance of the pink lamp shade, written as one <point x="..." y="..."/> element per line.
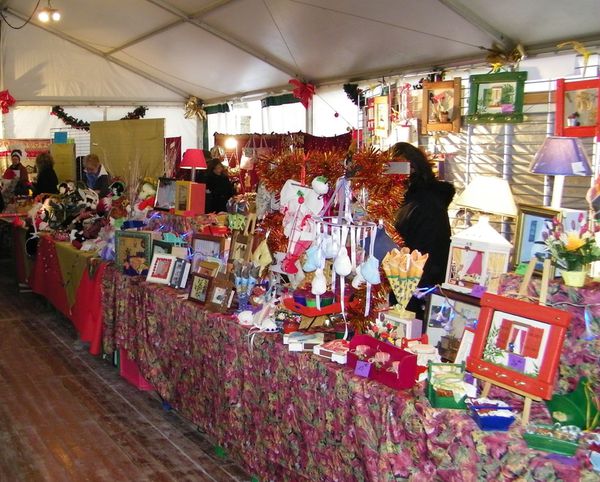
<point x="561" y="156"/>
<point x="193" y="159"/>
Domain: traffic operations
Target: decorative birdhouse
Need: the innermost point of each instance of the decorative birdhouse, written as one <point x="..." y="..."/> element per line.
<point x="478" y="257"/>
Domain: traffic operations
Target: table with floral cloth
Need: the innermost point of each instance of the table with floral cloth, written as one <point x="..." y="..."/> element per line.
<point x="293" y="416"/>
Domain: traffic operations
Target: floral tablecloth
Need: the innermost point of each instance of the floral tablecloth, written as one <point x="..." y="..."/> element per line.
<point x="291" y="416"/>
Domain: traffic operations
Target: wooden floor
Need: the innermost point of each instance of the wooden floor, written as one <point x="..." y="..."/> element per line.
<point x="68" y="416"/>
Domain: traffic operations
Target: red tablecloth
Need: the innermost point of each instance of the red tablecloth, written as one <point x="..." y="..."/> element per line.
<point x="49" y="280"/>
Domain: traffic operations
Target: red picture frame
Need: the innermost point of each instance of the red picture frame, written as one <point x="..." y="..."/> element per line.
<point x="577" y="98"/>
<point x="517" y="345"/>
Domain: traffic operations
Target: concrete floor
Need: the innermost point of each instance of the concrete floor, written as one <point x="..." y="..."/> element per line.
<point x="66" y="415"/>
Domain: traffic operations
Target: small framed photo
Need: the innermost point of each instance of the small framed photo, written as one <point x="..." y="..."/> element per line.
<point x="532" y="221"/>
<point x="165" y="194"/>
<point x="449" y="312"/>
<point x="180" y="273"/>
<point x="206" y="246"/>
<point x="161" y="247"/>
<point x="577" y="108"/>
<point x="200" y="287"/>
<point x="496" y="98"/>
<point x="133" y="251"/>
<point x="208" y="268"/>
<point x="161" y="268"/>
<point x="441" y="106"/>
<point x="220" y="295"/>
<point x="517" y="345"/>
<point x="241" y="246"/>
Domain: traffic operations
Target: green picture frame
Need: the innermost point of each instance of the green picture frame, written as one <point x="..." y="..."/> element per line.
<point x="496" y="98"/>
<point x="133" y="251"/>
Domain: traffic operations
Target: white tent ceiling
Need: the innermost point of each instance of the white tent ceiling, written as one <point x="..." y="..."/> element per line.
<point x="166" y="50"/>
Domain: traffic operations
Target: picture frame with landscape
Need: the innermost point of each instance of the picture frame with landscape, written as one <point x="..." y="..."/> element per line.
<point x="496" y="98"/>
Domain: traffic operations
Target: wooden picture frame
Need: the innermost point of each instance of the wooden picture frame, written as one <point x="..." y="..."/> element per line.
<point x="441" y="109"/>
<point x="577" y="108"/>
<point x="241" y="247"/>
<point x="517" y="345"/>
<point x="496" y="98"/>
<point x="220" y="294"/>
<point x="531" y="223"/>
<point x="199" y="288"/>
<point x="180" y="274"/>
<point x="161" y="269"/>
<point x="165" y="194"/>
<point x="133" y="251"/>
<point x="445" y="305"/>
<point x="206" y="246"/>
<point x="160" y="247"/>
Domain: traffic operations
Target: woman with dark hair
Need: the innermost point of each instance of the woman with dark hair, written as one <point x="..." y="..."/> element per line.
<point x="47" y="180"/>
<point x="422" y="220"/>
<point x="219" y="188"/>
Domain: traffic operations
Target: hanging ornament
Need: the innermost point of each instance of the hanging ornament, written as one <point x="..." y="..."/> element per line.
<point x="193" y="107"/>
<point x="303" y="91"/>
<point x="6" y="101"/>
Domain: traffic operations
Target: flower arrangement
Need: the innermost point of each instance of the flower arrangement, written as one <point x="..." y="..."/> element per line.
<point x="571" y="249"/>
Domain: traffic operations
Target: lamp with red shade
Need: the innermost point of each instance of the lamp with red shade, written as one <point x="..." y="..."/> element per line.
<point x="190" y="197"/>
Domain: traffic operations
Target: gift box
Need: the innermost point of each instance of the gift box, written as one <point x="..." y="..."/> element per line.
<point x="553" y="438"/>
<point x="335" y="350"/>
<point x="398" y="371"/>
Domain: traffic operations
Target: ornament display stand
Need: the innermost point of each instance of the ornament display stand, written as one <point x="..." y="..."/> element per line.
<point x="542" y="301"/>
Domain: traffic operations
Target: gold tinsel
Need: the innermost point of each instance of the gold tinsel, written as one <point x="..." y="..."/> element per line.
<point x="193" y="107"/>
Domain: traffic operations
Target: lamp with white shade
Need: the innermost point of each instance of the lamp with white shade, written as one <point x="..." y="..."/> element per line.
<point x="479" y="255"/>
<point x="560" y="157"/>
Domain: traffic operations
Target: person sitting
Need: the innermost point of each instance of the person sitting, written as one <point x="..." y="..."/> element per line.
<point x="96" y="176"/>
<point x="47" y="180"/>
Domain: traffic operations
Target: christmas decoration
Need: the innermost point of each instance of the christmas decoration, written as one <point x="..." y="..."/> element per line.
<point x="303" y="91"/>
<point x="71" y="121"/>
<point x="354" y="94"/>
<point x="6" y="101"/>
<point x="194" y="107"/>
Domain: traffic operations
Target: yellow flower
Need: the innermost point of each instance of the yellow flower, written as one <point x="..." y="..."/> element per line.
<point x="574" y="241"/>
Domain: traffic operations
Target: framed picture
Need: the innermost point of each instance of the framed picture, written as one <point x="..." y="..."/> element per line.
<point x="165" y="194"/>
<point x="161" y="269"/>
<point x="464" y="349"/>
<point x="531" y="223"/>
<point x="517" y="345"/>
<point x="241" y="246"/>
<point x="208" y="268"/>
<point x="206" y="246"/>
<point x="160" y="247"/>
<point x="449" y="312"/>
<point x="220" y="294"/>
<point x="133" y="251"/>
<point x="441" y="106"/>
<point x="180" y="273"/>
<point x="200" y="287"/>
<point x="577" y="108"/>
<point x="496" y="98"/>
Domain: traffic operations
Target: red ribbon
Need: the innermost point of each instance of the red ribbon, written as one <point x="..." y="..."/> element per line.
<point x="303" y="91"/>
<point x="6" y="100"/>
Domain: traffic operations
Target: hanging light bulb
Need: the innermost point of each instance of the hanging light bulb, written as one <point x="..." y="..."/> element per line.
<point x="48" y="13"/>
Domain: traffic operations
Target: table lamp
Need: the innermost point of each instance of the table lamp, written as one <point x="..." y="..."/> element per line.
<point x="560" y="157"/>
<point x="193" y="159"/>
<point x="480" y="254"/>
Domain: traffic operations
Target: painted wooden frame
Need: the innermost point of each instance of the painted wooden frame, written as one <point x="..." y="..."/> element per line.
<point x="496" y="98"/>
<point x="531" y="222"/>
<point x="517" y="345"/>
<point x="161" y="269"/>
<point x="199" y="289"/>
<point x="220" y="295"/>
<point x="577" y="108"/>
<point x="165" y="194"/>
<point x="441" y="109"/>
<point x="133" y="251"/>
<point x="206" y="246"/>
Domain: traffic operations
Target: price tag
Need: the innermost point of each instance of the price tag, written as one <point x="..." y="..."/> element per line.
<point x="362" y="368"/>
<point x="478" y="291"/>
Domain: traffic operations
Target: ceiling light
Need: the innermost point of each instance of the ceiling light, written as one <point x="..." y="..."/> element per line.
<point x="48" y="13"/>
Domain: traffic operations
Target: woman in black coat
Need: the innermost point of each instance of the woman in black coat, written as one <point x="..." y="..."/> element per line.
<point x="47" y="180"/>
<point x="422" y="220"/>
<point x="219" y="189"/>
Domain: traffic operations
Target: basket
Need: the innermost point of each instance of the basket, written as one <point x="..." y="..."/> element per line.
<point x="438" y="401"/>
<point x="492" y="422"/>
<point x="548" y="443"/>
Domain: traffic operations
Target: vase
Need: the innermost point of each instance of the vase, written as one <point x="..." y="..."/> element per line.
<point x="576" y="279"/>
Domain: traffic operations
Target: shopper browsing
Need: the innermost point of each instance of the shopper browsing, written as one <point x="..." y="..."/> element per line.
<point x="47" y="180"/>
<point x="96" y="176"/>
